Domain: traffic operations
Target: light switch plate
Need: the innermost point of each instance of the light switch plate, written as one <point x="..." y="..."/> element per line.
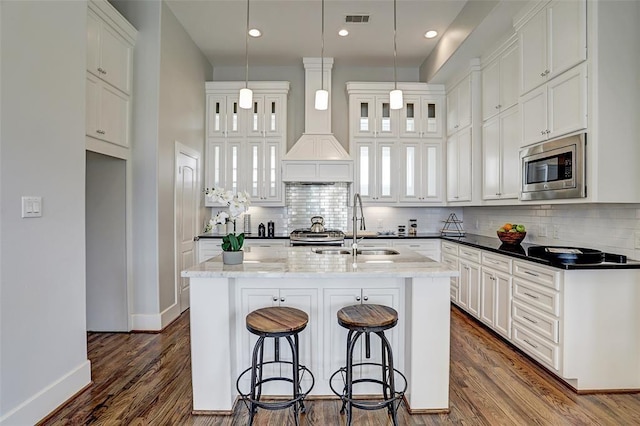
<point x="31" y="206"/>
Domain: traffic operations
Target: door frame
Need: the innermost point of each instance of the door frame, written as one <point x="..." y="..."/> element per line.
<point x="181" y="149"/>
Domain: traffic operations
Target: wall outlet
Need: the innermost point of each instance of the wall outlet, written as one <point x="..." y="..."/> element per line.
<point x="543" y="232"/>
<point x="637" y="244"/>
<point x="556" y="231"/>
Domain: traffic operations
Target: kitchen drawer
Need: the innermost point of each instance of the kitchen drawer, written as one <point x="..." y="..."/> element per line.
<point x="449" y="248"/>
<point x="208" y="248"/>
<point x="469" y="254"/>
<point x="496" y="262"/>
<point x="266" y="243"/>
<point x="537" y="296"/>
<point x="538" y="274"/>
<point x="450" y="261"/>
<point x="543" y="325"/>
<point x="368" y="242"/>
<point x="540" y="349"/>
<point x="429" y="248"/>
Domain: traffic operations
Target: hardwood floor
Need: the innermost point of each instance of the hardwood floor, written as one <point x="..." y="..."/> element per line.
<point x="145" y="379"/>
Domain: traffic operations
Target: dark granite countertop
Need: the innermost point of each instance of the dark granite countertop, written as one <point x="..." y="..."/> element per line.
<point x="521" y="251"/>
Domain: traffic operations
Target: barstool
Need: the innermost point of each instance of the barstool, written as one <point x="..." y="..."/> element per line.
<point x="275" y="322"/>
<point x="366" y="319"/>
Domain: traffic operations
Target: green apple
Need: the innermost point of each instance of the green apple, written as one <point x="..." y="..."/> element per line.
<point x="502" y="230"/>
<point x="520" y="228"/>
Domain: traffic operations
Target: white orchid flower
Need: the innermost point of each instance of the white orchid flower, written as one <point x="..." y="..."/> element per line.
<point x="220" y="218"/>
<point x="236" y="208"/>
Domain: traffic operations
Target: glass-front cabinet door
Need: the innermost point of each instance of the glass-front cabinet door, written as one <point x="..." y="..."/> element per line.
<point x="363" y="117"/>
<point x="386" y="170"/>
<point x="225" y="119"/>
<point x="431" y="118"/>
<point x="376" y="171"/>
<point x="386" y="121"/>
<point x="420" y="118"/>
<point x="420" y="169"/>
<point x="263" y="184"/>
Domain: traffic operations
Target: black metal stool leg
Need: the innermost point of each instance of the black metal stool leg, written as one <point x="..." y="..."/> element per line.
<point x="294" y="376"/>
<point x="257" y="349"/>
<point x="351" y="344"/>
<point x="392" y="387"/>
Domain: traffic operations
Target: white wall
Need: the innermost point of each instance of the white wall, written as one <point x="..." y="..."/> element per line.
<point x="43" y="356"/>
<point x="169" y="77"/>
<point x="606" y="227"/>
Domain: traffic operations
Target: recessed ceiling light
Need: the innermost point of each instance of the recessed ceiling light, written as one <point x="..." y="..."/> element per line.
<point x="254" y="32"/>
<point x="343" y="33"/>
<point x="431" y="34"/>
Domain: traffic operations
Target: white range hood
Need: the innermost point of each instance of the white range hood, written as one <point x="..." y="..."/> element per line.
<point x="317" y="156"/>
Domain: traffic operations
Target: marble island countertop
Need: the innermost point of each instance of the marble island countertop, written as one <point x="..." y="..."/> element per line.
<point x="275" y="262"/>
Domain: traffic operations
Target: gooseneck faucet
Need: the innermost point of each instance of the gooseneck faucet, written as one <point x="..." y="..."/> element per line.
<point x="357" y="201"/>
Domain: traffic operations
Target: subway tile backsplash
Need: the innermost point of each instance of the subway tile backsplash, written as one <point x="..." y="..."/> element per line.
<point x="327" y="200"/>
<point x="606" y="227"/>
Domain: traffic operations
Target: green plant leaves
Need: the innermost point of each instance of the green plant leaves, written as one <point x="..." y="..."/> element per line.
<point x="232" y="242"/>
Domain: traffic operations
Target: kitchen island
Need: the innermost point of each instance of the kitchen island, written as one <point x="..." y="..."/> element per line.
<point x="320" y="284"/>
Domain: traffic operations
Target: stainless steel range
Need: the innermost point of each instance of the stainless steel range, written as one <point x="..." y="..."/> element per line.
<point x="307" y="237"/>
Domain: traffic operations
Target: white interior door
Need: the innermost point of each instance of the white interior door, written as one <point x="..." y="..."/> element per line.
<point x="186" y="217"/>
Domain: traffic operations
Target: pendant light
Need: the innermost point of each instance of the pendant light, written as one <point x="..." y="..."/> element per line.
<point x="322" y="96"/>
<point x="246" y="95"/>
<point x="395" y="96"/>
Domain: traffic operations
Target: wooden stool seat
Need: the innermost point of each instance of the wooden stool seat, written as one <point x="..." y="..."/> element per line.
<point x="276" y="320"/>
<point x="367" y="316"/>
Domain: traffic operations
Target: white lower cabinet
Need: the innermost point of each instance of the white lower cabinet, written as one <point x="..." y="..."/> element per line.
<point x="335" y="336"/>
<point x="268" y="242"/>
<point x="580" y="324"/>
<point x="428" y="248"/>
<point x="305" y="299"/>
<point x="208" y="248"/>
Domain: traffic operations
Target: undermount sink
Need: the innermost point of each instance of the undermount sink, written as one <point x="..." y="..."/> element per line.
<point x="363" y="252"/>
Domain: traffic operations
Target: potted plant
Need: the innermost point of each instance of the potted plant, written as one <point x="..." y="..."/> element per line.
<point x="237" y="205"/>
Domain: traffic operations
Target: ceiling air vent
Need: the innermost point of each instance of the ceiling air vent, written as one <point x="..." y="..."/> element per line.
<point x="356" y="19"/>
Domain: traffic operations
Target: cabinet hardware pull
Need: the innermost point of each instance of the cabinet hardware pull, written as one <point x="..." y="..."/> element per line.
<point x="547" y="131"/>
<point x="542" y="74"/>
<point x="533" y="296"/>
<point x="530" y="344"/>
<point x="282" y="299"/>
<point x="529" y="319"/>
<point x="531" y="273"/>
<point x="357" y="298"/>
<point x="100" y="132"/>
<point x="366" y="298"/>
<point x="542" y="132"/>
<point x="275" y="299"/>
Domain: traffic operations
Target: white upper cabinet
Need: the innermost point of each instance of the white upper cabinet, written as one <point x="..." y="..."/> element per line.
<point x="500" y="154"/>
<point x="552" y="41"/>
<point x="372" y="116"/>
<point x="421" y="117"/>
<point x="500" y="82"/>
<point x="459" y="106"/>
<point x="421" y="172"/>
<point x="266" y="118"/>
<point x="110" y="41"/>
<point x="245" y="146"/>
<point x="109" y="47"/>
<point x="376" y="171"/>
<point x="556" y="108"/>
<point x="459" y="171"/>
<point x="224" y="116"/>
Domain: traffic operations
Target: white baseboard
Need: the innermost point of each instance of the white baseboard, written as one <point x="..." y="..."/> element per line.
<point x="48" y="399"/>
<point x="155" y="322"/>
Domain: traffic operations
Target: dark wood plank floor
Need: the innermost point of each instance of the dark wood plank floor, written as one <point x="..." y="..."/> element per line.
<point x="145" y="379"/>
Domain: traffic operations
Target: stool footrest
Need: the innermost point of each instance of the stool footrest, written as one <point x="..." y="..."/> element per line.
<point x="275" y="405"/>
<point x="368" y="404"/>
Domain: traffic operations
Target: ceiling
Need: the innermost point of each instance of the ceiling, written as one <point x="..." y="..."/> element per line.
<point x="291" y="30"/>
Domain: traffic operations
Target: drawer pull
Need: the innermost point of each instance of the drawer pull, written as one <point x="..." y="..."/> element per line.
<point x="533" y="296"/>
<point x="530" y="344"/>
<point x="492" y="261"/>
<point x="531" y="273"/>
<point x="529" y="319"/>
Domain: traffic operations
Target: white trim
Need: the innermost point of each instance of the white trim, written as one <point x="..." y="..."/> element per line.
<point x="146" y="322"/>
<point x="48" y="399"/>
<point x="180" y="148"/>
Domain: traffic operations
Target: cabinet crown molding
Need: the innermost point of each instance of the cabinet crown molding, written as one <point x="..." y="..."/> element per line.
<point x="110" y="15"/>
<point x="359" y="87"/>
<point x="271" y="87"/>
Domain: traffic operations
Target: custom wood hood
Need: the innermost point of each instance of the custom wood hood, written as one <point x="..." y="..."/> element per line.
<point x="317" y="156"/>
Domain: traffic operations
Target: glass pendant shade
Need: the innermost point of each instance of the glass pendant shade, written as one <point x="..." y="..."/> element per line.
<point x="395" y="99"/>
<point x="322" y="100"/>
<point x="246" y="98"/>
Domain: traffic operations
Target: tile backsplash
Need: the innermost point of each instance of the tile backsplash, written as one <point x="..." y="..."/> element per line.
<point x="606" y="227"/>
<point x="307" y="200"/>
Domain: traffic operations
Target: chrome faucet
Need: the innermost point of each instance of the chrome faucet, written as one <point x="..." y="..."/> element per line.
<point x="357" y="201"/>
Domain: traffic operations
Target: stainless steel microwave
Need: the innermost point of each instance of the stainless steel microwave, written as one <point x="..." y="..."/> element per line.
<point x="555" y="169"/>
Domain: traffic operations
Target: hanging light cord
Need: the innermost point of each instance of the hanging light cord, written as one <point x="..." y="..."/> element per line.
<point x="322" y="52"/>
<point x="246" y="50"/>
<point x="395" y="29"/>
